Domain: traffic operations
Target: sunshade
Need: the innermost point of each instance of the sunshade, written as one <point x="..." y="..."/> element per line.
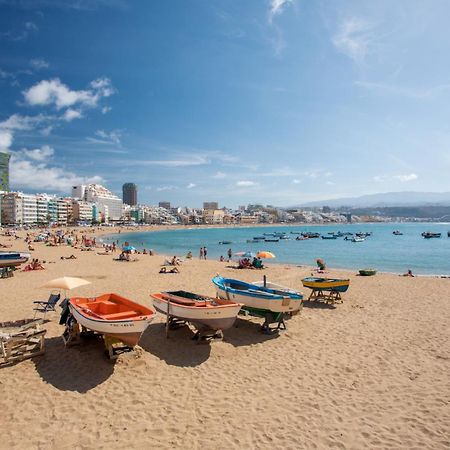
<point x="128" y="248"/>
<point x="265" y="255"/>
<point x="65" y="283"/>
<point x="245" y="254"/>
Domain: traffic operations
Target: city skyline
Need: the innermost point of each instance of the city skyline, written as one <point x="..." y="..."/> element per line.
<point x="277" y="102"/>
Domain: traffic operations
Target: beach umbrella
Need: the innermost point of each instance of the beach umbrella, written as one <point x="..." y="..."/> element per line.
<point x="265" y="255"/>
<point x="245" y="254"/>
<point x="66" y="283"/>
<point x="128" y="248"/>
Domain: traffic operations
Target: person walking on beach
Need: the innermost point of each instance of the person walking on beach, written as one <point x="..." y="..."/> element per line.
<point x="230" y="253"/>
<point x="205" y="252"/>
<point x="201" y="253"/>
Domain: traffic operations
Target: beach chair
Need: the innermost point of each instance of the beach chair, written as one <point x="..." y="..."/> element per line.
<point x="49" y="305"/>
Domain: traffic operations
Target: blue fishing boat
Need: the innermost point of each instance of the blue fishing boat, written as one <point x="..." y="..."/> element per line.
<point x="13" y="259"/>
<point x="260" y="301"/>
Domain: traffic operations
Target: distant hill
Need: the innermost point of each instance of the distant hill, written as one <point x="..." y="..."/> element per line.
<point x="386" y="199"/>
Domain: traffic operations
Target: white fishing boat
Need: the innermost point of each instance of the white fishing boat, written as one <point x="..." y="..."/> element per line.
<point x="204" y="312"/>
<point x="112" y="315"/>
<point x="13" y="259"/>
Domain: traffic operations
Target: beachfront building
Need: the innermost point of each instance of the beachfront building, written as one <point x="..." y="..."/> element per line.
<point x="213" y="216"/>
<point x="129" y="194"/>
<point x="165" y="205"/>
<point x="82" y="211"/>
<point x="4" y="171"/>
<point x="18" y="209"/>
<point x="109" y="206"/>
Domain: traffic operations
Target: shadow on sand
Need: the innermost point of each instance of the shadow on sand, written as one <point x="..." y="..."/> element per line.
<point x="318" y="305"/>
<point x="177" y="350"/>
<point x="247" y="332"/>
<point x="79" y="368"/>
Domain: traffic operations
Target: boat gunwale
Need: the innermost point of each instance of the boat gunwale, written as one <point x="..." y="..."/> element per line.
<point x="165" y="300"/>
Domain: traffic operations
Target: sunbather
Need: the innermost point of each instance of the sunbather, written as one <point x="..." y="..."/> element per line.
<point x="173" y="270"/>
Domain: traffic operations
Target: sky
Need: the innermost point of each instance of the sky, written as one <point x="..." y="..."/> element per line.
<point x="277" y="102"/>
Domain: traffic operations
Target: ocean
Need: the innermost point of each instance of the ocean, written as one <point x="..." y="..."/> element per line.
<point x="382" y="250"/>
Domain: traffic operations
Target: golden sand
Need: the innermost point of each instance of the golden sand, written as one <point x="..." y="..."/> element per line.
<point x="372" y="372"/>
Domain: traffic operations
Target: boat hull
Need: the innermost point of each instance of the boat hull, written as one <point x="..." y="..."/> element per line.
<point x="127" y="330"/>
<point x="13" y="259"/>
<point x="258" y="300"/>
<point x="211" y="318"/>
<point x="325" y="284"/>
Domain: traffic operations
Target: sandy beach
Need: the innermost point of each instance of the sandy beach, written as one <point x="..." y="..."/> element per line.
<point x="372" y="372"/>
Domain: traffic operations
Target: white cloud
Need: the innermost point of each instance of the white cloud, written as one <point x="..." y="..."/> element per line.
<point x="106" y="109"/>
<point x="39" y="63"/>
<point x="195" y="160"/>
<point x="379" y="178"/>
<point x="71" y="114"/>
<point x="277" y="7"/>
<point x="246" y="183"/>
<point x="54" y="92"/>
<point x="219" y="175"/>
<point x="406" y="178"/>
<point x="401" y="91"/>
<point x="30" y="169"/>
<point x="191" y="185"/>
<point x="296" y="181"/>
<point x="353" y="38"/>
<point x="165" y="188"/>
<point x="6" y="139"/>
<point x="18" y="122"/>
<point x="37" y="154"/>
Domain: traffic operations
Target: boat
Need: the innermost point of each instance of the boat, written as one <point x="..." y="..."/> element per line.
<point x="358" y="239"/>
<point x="279" y="288"/>
<point x="259" y="238"/>
<point x="311" y="235"/>
<point x="284" y="237"/>
<point x="201" y="311"/>
<point x="301" y="238"/>
<point x="112" y="315"/>
<point x="326" y="284"/>
<point x="13" y="259"/>
<point x="397" y="233"/>
<point x="225" y="242"/>
<point x="429" y="235"/>
<point x="257" y="300"/>
<point x="271" y="240"/>
<point x="329" y="237"/>
<point x="367" y="272"/>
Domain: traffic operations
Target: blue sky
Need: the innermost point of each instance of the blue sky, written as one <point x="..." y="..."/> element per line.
<point x="276" y="101"/>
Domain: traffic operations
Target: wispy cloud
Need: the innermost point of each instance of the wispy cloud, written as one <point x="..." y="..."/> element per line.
<point x="106" y="137"/>
<point x="219" y="175"/>
<point x="20" y="35"/>
<point x="401" y="91"/>
<point x="353" y="38"/>
<point x="276" y="7"/>
<point x="54" y="92"/>
<point x="72" y="114"/>
<point x="246" y="183"/>
<point x="39" y="63"/>
<point x="166" y="188"/>
<point x="191" y="185"/>
<point x="406" y="178"/>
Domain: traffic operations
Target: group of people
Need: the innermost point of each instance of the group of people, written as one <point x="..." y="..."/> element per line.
<point x="256" y="263"/>
<point x="35" y="264"/>
<point x="203" y="252"/>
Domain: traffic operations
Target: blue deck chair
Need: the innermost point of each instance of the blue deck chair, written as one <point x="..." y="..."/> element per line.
<point x="49" y="305"/>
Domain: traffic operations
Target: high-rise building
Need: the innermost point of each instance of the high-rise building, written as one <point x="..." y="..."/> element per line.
<point x="210" y="205"/>
<point x="108" y="205"/>
<point x="129" y="191"/>
<point x="4" y="171"/>
<point x="165" y="205"/>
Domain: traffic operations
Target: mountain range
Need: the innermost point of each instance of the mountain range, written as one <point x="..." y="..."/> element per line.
<point x="406" y="198"/>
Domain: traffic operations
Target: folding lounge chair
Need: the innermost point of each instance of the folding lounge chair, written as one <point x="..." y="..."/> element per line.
<point x="49" y="305"/>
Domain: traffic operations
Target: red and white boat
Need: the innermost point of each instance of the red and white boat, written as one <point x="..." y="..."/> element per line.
<point x="112" y="315"/>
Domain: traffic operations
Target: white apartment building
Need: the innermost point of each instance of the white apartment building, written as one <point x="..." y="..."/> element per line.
<point x="19" y="208"/>
<point x="108" y="204"/>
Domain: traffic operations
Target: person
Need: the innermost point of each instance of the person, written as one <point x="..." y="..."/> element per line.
<point x="175" y="261"/>
<point x="173" y="270"/>
<point x="189" y="255"/>
<point x="230" y="254"/>
<point x="321" y="266"/>
<point x="257" y="263"/>
<point x="144" y="252"/>
<point x="201" y="252"/>
<point x="221" y="259"/>
<point x="205" y="252"/>
<point x="408" y="274"/>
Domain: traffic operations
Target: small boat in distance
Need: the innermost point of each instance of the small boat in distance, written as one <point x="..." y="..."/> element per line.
<point x="13" y="259"/>
<point x="358" y="239"/>
<point x="430" y="234"/>
<point x="202" y="312"/>
<point x="397" y="233"/>
<point x="272" y="240"/>
<point x="329" y="237"/>
<point x="225" y="242"/>
<point x="112" y="315"/>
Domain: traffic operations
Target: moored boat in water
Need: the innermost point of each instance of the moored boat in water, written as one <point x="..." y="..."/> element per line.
<point x="112" y="315"/>
<point x="430" y="235"/>
<point x="201" y="311"/>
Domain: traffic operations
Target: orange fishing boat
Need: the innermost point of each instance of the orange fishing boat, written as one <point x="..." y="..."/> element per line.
<point x="112" y="315"/>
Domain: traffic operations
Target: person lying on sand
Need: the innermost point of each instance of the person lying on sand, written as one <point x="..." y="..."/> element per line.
<point x="408" y="274"/>
<point x="69" y="257"/>
<point x="173" y="270"/>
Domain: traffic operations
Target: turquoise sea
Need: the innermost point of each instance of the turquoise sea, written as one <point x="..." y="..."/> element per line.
<point x="383" y="250"/>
